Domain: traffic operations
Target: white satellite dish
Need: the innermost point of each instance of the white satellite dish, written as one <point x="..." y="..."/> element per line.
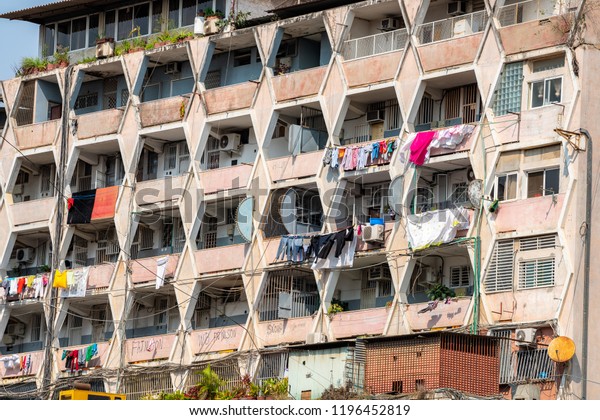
<point x="475" y="192"/>
<point x="287" y="210"/>
<point x="396" y="189"/>
<point x="243" y="218"/>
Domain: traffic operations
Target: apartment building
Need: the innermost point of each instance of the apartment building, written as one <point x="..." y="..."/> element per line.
<point x="451" y="140"/>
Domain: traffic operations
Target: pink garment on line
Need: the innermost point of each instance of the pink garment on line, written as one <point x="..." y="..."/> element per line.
<point x="420" y="146"/>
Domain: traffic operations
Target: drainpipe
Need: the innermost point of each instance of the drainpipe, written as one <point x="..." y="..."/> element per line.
<point x="586" y="263"/>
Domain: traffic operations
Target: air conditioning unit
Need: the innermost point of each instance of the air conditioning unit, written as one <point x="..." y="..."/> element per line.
<point x="456" y="8"/>
<point x="230" y="142"/>
<point x="373" y="233"/>
<point x="8" y="340"/>
<point x="379" y="272"/>
<point x="390" y="24"/>
<point x="525" y="336"/>
<point x="16" y="330"/>
<point x="316" y="338"/>
<point x="172" y="68"/>
<point x="18" y="189"/>
<point x="376" y="116"/>
<point x="25" y="255"/>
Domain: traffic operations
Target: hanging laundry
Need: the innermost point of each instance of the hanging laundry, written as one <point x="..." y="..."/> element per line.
<point x="161" y="268"/>
<point x="334" y="157"/>
<point x="91" y="352"/>
<point x="434" y="228"/>
<point x="60" y="279"/>
<point x="420" y="147"/>
<point x="327" y="157"/>
<point x="10" y="362"/>
<point x="83" y="206"/>
<point x="345" y="259"/>
<point x="13" y="285"/>
<point x="78" y="285"/>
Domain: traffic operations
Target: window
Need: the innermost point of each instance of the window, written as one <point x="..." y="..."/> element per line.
<point x="183" y="12"/>
<point x="536" y="273"/>
<point x="545" y="92"/>
<point x="161" y="313"/>
<point x="505" y="187"/>
<point x="86" y="101"/>
<point x="499" y="276"/>
<point x="130" y="21"/>
<point x="71" y="35"/>
<point x="36" y="327"/>
<point x="508" y="93"/>
<point x="545" y="182"/>
<point x="548" y="64"/>
<point x="459" y="276"/>
<point x="171" y="157"/>
<point x="242" y="57"/>
<point x="460" y="193"/>
<point x="75" y="328"/>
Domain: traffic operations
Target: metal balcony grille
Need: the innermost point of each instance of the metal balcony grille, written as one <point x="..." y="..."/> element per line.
<point x="375" y="44"/>
<point x="455" y="27"/>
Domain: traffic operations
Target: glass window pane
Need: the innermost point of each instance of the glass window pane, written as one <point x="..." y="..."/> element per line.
<point x="552" y="182"/>
<point x="188" y="12"/>
<point x="553" y="90"/>
<point x="93" y="30"/>
<point x="125" y="23"/>
<point x="203" y="5"/>
<point x="109" y="24"/>
<point x="220" y="6"/>
<point x="501" y="188"/>
<point x="537" y="94"/>
<point x="48" y="48"/>
<point x="78" y="34"/>
<point x="64" y="36"/>
<point x="510" y="193"/>
<point x="173" y="14"/>
<point x="535" y="183"/>
<point x="156" y="16"/>
<point x="141" y="19"/>
<point x="508" y="93"/>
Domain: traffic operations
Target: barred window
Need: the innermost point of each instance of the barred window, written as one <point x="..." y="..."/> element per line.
<point x="536" y="273"/>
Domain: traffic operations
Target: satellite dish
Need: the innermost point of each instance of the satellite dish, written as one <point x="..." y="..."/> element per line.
<point x="287" y="210"/>
<point x="395" y="194"/>
<point x="561" y="349"/>
<point x="243" y="218"/>
<point x="475" y="192"/>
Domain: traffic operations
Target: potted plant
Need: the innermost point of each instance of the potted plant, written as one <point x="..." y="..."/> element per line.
<point x="31" y="65"/>
<point x="105" y="46"/>
<point x="211" y="19"/>
<point x="440" y="292"/>
<point x="137" y="44"/>
<point x="61" y="57"/>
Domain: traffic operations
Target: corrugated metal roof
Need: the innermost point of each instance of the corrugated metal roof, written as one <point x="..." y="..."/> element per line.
<point x="61" y="9"/>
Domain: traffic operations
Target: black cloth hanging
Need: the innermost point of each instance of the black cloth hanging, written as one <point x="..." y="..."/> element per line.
<point x="82" y="206"/>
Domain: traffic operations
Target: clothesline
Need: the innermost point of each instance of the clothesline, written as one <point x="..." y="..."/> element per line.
<point x="79" y="358"/>
<point x="24" y="287"/>
<point x="360" y="156"/>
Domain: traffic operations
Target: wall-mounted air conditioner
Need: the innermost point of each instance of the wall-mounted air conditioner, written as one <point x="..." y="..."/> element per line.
<point x="376" y="116"/>
<point x="230" y="142"/>
<point x="373" y="233"/>
<point x="378" y="273"/>
<point x="172" y="68"/>
<point x="456" y="8"/>
<point x="390" y="24"/>
<point x="15" y="330"/>
<point x="525" y="336"/>
<point x="18" y="189"/>
<point x="25" y="255"/>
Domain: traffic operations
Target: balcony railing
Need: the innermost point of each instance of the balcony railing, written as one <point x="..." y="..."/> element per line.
<point x="526" y="366"/>
<point x="455" y="27"/>
<point x="375" y="44"/>
<point x="527" y="11"/>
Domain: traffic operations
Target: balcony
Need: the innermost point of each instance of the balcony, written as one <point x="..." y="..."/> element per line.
<point x="289" y="167"/>
<point x="163" y="111"/>
<point x="224" y="179"/>
<point x="443" y="316"/>
<point x="160" y="190"/>
<point x="37" y="358"/>
<point x="143" y="269"/>
<point x="355" y="323"/>
<point x="370" y="45"/>
<point x="230" y="98"/>
<point x="34" y="211"/>
<point x="293" y="330"/>
<point x="38" y="134"/>
<point x="372" y="70"/>
<point x="534" y="24"/>
<point x="95" y="362"/>
<point x="216" y="339"/>
<point x="529" y="215"/>
<point x="150" y="348"/>
<point x="100" y="123"/>
<point x="298" y="84"/>
<point x="224" y="258"/>
<point x="450" y="42"/>
<point x="99" y="276"/>
<point x="531" y="125"/>
<point x="362" y="246"/>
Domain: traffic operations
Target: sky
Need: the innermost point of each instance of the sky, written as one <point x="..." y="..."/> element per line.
<point x="17" y="39"/>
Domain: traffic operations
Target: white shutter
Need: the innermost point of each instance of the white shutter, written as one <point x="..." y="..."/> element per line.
<point x="499" y="275"/>
<point x="536" y="273"/>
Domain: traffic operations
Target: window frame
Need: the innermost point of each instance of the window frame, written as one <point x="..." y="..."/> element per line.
<point x="462" y="268"/>
<point x="544" y="81"/>
<point x="496" y="189"/>
<point x="521" y="282"/>
<point x="544" y="189"/>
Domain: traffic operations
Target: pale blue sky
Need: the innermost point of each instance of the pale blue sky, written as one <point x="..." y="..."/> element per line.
<point x="17" y="39"/>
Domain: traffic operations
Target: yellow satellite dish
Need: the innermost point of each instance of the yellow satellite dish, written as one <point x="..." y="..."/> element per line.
<point x="561" y="349"/>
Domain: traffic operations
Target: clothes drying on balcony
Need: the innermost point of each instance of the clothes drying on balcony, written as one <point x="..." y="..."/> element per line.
<point x="76" y="360"/>
<point x="86" y="206"/>
<point x="30" y="287"/>
<point x="11" y="362"/>
<point x="434" y="228"/>
<point x="76" y="283"/>
<point x="417" y="147"/>
<point x="359" y="157"/>
<point x="161" y="268"/>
